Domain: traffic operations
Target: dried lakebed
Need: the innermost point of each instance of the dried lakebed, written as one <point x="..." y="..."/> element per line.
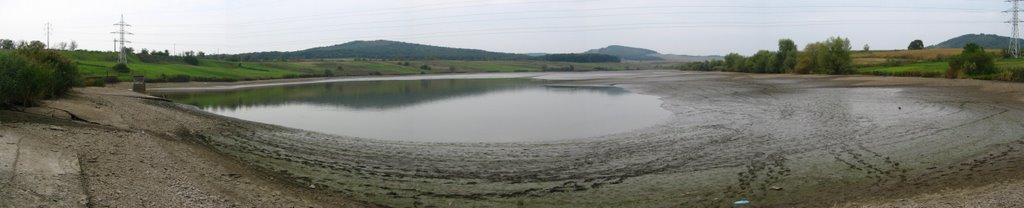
<point x="774" y="140"/>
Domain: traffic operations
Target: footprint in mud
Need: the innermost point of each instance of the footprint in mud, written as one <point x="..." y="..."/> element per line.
<point x="873" y="164"/>
<point x="759" y="176"/>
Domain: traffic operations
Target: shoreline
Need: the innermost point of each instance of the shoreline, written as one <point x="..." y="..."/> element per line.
<point x="679" y="158"/>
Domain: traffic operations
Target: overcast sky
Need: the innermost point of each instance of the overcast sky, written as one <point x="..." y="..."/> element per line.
<point x="705" y="27"/>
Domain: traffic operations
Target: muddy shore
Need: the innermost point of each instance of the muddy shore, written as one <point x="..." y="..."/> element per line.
<point x="777" y="140"/>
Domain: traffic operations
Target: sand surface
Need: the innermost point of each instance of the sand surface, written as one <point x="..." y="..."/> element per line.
<point x="776" y="140"/>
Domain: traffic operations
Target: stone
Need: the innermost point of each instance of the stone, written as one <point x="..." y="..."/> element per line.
<point x="57" y="128"/>
<point x="775" y="188"/>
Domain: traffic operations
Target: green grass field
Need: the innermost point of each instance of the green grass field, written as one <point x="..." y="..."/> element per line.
<point x="99" y="64"/>
<point x="921" y="63"/>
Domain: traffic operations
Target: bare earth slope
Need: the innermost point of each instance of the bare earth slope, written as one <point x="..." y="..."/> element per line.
<point x="117" y="155"/>
<point x="777" y="140"/>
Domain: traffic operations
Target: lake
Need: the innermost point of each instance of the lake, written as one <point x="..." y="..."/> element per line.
<point x="438" y="110"/>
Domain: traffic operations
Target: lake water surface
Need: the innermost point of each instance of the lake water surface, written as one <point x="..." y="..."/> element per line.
<point x="445" y="110"/>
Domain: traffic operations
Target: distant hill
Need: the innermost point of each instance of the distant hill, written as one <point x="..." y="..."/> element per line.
<point x="385" y="49"/>
<point x="642" y="54"/>
<point x="984" y="40"/>
<point x="627" y="53"/>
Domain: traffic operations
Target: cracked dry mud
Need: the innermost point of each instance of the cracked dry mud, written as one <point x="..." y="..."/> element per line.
<point x="777" y="140"/>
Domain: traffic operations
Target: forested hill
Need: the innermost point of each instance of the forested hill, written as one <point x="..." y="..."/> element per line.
<point x="983" y="40"/>
<point x="385" y="49"/>
<point x="628" y="53"/>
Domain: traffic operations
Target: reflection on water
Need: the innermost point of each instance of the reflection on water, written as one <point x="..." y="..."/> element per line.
<point x="453" y="110"/>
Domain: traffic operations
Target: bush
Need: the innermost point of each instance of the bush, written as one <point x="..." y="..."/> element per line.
<point x="63" y="72"/>
<point x="29" y="74"/>
<point x="1015" y="74"/>
<point x="21" y="81"/>
<point x="191" y="60"/>
<point x="122" y="68"/>
<point x="972" y="61"/>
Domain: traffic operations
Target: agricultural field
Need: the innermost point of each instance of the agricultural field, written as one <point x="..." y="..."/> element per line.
<point x="919" y="63"/>
<point x="99" y="64"/>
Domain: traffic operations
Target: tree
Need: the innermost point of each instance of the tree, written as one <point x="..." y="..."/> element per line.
<point x="973" y="60"/>
<point x="760" y="61"/>
<point x="121" y="68"/>
<point x="867" y="48"/>
<point x="144" y="51"/>
<point x="734" y="61"/>
<point x="424" y="67"/>
<point x="34" y="45"/>
<point x="807" y="61"/>
<point x="6" y="44"/>
<point x="73" y="46"/>
<point x="837" y="60"/>
<point x="785" y="59"/>
<point x="916" y="45"/>
<point x="328" y="73"/>
<point x="62" y="46"/>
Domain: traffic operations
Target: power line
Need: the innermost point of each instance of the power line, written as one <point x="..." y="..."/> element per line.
<point x="122" y="58"/>
<point x="1014" y="29"/>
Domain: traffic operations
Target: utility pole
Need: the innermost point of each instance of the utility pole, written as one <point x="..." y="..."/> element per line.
<point x="1015" y="30"/>
<point x="121" y="57"/>
<point x="49" y="30"/>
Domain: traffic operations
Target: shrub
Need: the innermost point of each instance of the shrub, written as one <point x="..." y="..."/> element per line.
<point x="122" y="68"/>
<point x="21" y="81"/>
<point x="191" y="60"/>
<point x="29" y="74"/>
<point x="1015" y="74"/>
<point x="63" y="72"/>
<point x="972" y="61"/>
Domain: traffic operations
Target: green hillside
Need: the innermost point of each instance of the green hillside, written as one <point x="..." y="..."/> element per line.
<point x="627" y="53"/>
<point x="984" y="40"/>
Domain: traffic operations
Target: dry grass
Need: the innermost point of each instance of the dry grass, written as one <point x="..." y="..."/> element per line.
<point x="1005" y="194"/>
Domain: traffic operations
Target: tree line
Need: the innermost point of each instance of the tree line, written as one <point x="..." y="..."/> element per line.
<point x="831" y="56"/>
